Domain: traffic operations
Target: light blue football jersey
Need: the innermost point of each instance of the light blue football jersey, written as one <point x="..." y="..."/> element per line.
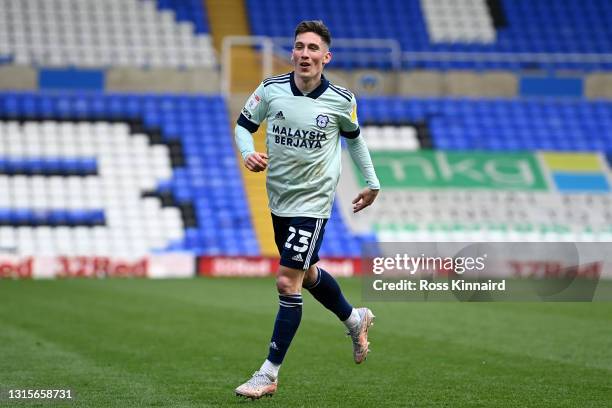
<point x="303" y="142"/>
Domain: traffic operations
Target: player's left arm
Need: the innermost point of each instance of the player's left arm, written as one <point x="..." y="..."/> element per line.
<point x="349" y="129"/>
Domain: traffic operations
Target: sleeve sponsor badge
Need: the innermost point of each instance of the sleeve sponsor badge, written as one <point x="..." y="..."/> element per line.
<point x="246" y="113"/>
<point x="253" y="102"/>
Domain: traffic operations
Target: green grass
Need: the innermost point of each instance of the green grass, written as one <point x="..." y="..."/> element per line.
<point x="188" y="343"/>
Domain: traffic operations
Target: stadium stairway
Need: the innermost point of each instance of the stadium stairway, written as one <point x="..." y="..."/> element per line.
<point x="228" y="17"/>
<point x="255" y="187"/>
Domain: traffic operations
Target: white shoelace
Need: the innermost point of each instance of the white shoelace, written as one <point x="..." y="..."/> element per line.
<point x="354" y="333"/>
<point x="260" y="379"/>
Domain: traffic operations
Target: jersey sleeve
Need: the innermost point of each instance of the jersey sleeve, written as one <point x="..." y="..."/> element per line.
<point x="254" y="111"/>
<point x="349" y="124"/>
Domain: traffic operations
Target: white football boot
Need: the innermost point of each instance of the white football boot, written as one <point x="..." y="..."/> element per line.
<point x="258" y="386"/>
<point x="360" y="335"/>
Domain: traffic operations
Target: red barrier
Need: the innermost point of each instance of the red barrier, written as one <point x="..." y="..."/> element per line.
<point x="267" y="266"/>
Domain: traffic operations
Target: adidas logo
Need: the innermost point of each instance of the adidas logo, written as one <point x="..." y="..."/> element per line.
<point x="298" y="258"/>
<point x="280" y="116"/>
<point x="273" y="346"/>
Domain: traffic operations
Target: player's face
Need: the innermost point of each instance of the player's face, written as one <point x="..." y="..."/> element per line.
<point x="310" y="54"/>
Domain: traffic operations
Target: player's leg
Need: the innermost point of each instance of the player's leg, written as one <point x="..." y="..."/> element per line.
<point x="326" y="290"/>
<point x="289" y="286"/>
<point x="293" y="250"/>
<point x="288" y="317"/>
<point x="297" y="239"/>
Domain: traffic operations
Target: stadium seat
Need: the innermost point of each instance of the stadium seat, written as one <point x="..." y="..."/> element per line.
<point x="61" y="33"/>
<point x="495" y="125"/>
<point x="93" y="173"/>
<point x="572" y="26"/>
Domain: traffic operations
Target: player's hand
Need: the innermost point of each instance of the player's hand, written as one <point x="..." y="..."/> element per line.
<point x="364" y="199"/>
<point x="256" y="162"/>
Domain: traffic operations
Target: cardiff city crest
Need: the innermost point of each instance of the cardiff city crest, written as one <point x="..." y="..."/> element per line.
<point x="322" y="121"/>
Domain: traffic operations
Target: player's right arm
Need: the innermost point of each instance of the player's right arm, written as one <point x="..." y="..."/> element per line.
<point x="254" y="161"/>
<point x="253" y="113"/>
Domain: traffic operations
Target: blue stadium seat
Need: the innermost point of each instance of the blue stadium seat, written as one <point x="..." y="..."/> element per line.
<point x="209" y="179"/>
<point x="571" y="26"/>
<point x="502" y="124"/>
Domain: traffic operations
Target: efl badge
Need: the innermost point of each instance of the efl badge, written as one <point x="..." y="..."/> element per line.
<point x="253" y="102"/>
<point x="322" y="121"/>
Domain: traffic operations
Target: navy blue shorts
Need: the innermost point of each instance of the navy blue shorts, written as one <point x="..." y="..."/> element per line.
<point x="298" y="240"/>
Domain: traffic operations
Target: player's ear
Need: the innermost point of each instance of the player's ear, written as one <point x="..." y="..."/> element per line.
<point x="327" y="58"/>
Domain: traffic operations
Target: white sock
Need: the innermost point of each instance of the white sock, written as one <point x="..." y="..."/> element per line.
<point x="353" y="321"/>
<point x="270" y="368"/>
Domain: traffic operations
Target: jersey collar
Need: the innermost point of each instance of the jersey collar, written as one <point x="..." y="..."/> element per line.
<point x="318" y="91"/>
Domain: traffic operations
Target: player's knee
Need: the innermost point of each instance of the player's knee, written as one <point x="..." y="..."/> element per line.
<point x="311" y="276"/>
<point x="286" y="285"/>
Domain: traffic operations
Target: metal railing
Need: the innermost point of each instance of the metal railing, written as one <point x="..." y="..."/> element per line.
<point x="361" y="51"/>
<point x="345" y="49"/>
<point x="521" y="57"/>
<point x="266" y="45"/>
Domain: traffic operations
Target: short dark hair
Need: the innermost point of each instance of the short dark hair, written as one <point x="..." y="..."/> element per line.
<point x="314" y="26"/>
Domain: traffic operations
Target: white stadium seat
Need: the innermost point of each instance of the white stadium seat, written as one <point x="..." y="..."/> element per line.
<point x="458" y="21"/>
<point x="87" y="32"/>
<point x="127" y="166"/>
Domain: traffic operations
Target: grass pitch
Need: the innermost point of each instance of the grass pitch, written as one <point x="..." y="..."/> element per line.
<point x="189" y="343"/>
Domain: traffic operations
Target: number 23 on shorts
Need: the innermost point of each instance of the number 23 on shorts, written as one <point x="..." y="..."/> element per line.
<point x="304" y="239"/>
